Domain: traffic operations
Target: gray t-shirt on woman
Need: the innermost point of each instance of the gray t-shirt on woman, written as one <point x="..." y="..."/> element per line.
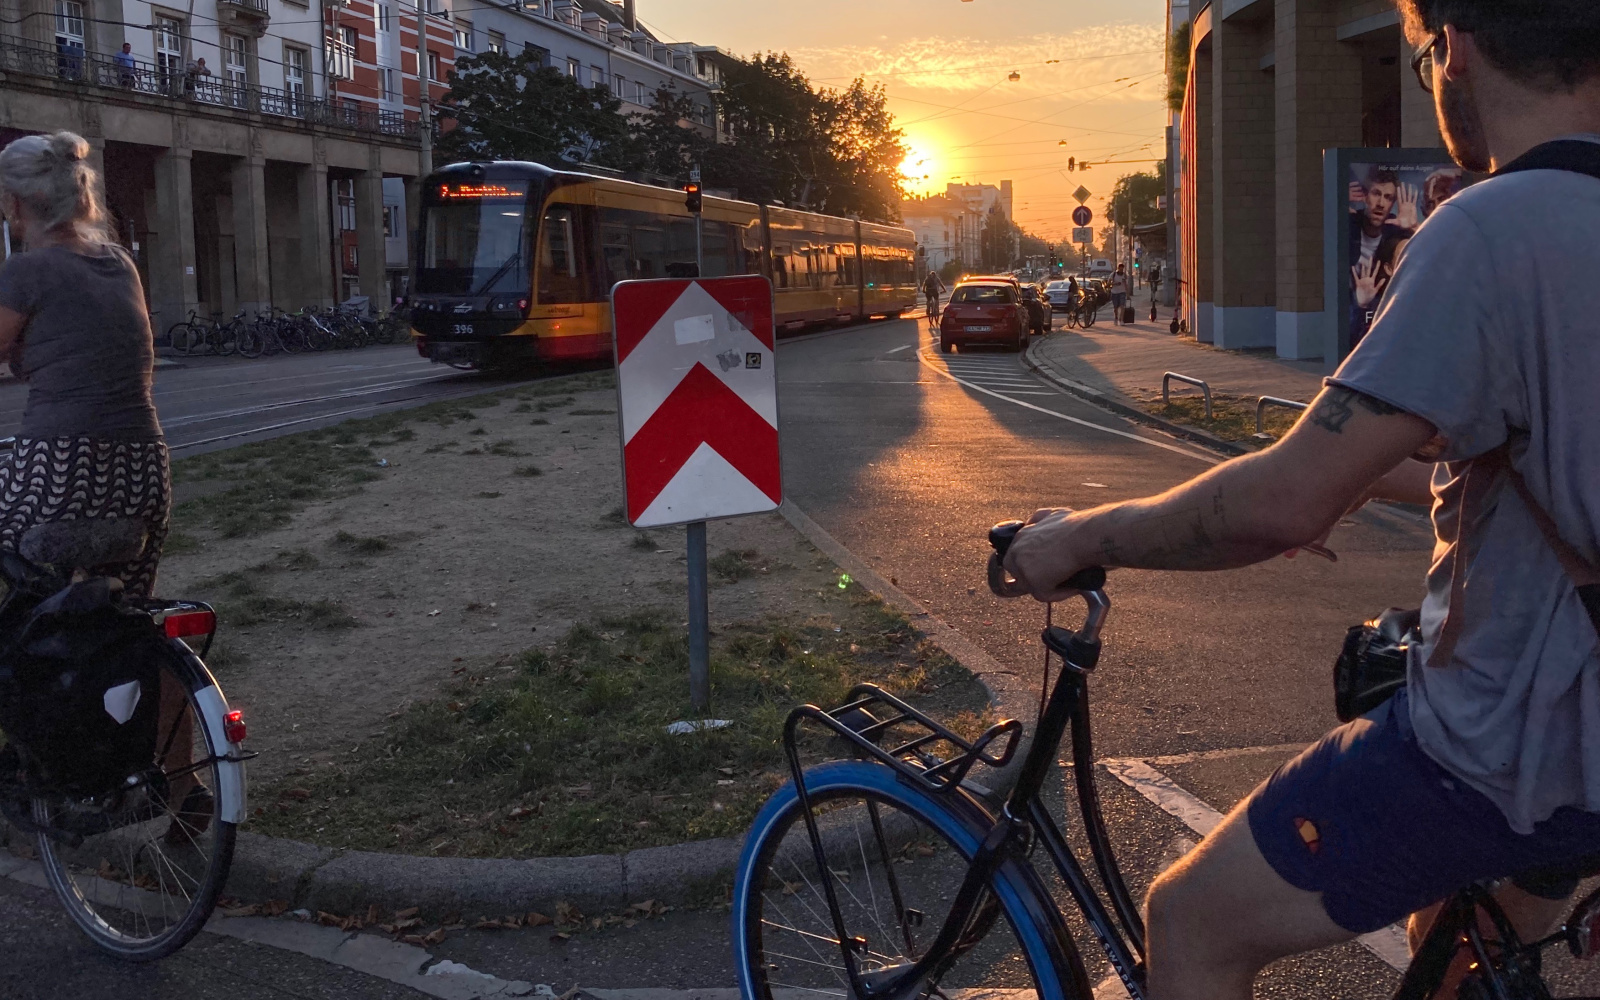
<point x="1490" y="330"/>
<point x="86" y="350"/>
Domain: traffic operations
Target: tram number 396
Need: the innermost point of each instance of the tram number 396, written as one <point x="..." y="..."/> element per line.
<point x="462" y="329"/>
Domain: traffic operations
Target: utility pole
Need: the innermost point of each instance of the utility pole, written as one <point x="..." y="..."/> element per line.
<point x="699" y="611"/>
<point x="424" y="96"/>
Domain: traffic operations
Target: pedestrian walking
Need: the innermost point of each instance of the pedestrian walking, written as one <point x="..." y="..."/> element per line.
<point x="127" y="70"/>
<point x="1119" y="292"/>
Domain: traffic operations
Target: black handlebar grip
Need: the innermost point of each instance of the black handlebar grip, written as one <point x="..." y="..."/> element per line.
<point x="1001" y="535"/>
<point x="1093" y="578"/>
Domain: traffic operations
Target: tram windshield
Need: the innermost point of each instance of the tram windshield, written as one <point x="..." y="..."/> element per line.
<point x="474" y="239"/>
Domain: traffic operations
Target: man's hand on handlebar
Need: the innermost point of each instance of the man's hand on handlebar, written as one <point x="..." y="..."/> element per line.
<point x="1040" y="557"/>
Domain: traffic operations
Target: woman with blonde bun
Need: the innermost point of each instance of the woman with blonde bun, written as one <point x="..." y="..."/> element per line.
<point x="74" y="325"/>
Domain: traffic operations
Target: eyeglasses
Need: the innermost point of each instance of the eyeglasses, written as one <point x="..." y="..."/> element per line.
<point x="1422" y="63"/>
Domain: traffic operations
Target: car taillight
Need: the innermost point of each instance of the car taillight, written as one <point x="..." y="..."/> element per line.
<point x="233" y="727"/>
<point x="200" y="622"/>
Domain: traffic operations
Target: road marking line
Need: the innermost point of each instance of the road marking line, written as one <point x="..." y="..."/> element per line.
<point x="1208" y="459"/>
<point x="1190" y="758"/>
<point x="902" y="347"/>
<point x="1388" y="944"/>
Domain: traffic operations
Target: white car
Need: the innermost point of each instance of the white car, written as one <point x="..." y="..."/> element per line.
<point x="1059" y="295"/>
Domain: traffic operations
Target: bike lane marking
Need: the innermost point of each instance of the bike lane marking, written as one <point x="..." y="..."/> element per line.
<point x="1389" y="944"/>
<point x="1175" y="449"/>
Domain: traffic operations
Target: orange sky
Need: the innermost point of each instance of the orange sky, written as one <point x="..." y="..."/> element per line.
<point x="1091" y="74"/>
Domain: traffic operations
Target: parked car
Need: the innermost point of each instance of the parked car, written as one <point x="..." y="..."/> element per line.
<point x="1059" y="295"/>
<point x="1039" y="319"/>
<point x="985" y="311"/>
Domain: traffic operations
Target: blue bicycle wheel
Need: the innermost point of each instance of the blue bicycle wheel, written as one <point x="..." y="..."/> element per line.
<point x="897" y="854"/>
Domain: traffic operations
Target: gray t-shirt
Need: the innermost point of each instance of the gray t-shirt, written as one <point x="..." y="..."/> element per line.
<point x="86" y="350"/>
<point x="1490" y="330"/>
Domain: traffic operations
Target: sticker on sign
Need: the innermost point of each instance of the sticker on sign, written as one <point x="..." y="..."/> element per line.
<point x="697" y="396"/>
<point x="1083" y="234"/>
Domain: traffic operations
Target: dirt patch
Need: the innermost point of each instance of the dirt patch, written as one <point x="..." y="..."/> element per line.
<point x="368" y="576"/>
<point x="1233" y="418"/>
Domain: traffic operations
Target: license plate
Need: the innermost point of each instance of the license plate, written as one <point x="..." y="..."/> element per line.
<point x="979" y="329"/>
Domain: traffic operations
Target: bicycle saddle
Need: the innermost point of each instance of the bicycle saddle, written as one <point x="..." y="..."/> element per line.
<point x="93" y="541"/>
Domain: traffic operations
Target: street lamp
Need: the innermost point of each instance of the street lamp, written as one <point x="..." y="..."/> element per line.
<point x="1015" y="76"/>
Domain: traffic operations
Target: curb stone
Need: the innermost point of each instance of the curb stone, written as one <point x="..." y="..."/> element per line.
<point x="1053" y="374"/>
<point x="344" y="881"/>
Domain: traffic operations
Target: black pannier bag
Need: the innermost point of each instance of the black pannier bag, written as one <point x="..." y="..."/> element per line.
<point x="80" y="691"/>
<point x="1372" y="665"/>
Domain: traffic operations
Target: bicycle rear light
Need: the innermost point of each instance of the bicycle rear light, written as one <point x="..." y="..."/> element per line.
<point x="233" y="727"/>
<point x="198" y="622"/>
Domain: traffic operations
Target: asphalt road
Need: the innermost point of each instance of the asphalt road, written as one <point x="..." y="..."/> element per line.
<point x="906" y="456"/>
<point x="210" y="403"/>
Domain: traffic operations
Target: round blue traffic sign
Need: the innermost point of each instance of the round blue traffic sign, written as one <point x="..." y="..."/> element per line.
<point x="1082" y="216"/>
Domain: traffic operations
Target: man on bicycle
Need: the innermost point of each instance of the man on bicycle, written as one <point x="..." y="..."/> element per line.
<point x="932" y="288"/>
<point x="1481" y="358"/>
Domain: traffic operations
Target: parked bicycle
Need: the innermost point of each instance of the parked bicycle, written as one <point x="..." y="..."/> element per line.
<point x="122" y="758"/>
<point x="274" y="330"/>
<point x="886" y="876"/>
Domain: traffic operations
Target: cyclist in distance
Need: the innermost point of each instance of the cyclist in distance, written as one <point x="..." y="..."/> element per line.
<point x="1480" y="364"/>
<point x="73" y="325"/>
<point x="932" y="288"/>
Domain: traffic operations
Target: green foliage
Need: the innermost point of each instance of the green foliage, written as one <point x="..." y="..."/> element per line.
<point x="512" y="107"/>
<point x="998" y="240"/>
<point x="1141" y="190"/>
<point x="1178" y="65"/>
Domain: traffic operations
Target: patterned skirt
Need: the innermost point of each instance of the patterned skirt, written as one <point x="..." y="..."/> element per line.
<point x="67" y="478"/>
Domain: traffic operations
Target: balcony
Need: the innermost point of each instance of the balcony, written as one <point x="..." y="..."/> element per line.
<point x="30" y="58"/>
<point x="245" y="15"/>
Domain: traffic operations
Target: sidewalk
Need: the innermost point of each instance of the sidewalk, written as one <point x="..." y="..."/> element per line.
<point x="1128" y="361"/>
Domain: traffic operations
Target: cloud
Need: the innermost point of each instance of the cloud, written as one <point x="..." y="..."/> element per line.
<point x="955" y="65"/>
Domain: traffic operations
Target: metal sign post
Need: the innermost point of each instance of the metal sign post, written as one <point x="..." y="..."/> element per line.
<point x="697" y="401"/>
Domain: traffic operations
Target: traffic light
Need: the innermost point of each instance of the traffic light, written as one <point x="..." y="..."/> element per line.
<point x="1072" y="163"/>
<point x="691" y="197"/>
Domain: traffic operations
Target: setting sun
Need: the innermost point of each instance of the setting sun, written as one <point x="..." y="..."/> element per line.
<point x="921" y="170"/>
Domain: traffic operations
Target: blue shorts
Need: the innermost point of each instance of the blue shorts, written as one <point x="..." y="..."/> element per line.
<point x="1368" y="820"/>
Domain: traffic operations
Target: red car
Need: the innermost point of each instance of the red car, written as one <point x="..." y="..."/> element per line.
<point x="989" y="311"/>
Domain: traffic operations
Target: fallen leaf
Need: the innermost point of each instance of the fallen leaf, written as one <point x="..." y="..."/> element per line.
<point x="415" y="939"/>
<point x="535" y="919"/>
<point x="275" y="907"/>
<point x="487" y="924"/>
<point x="295" y="793"/>
<point x="435" y="936"/>
<point x="374" y="913"/>
<point x="408" y="923"/>
<point x="407" y="913"/>
<point x="254" y="909"/>
<point x="559" y="936"/>
<point x="327" y="919"/>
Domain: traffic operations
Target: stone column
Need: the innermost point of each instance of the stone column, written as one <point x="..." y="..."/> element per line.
<point x="172" y="280"/>
<point x="370" y="250"/>
<point x="1318" y="107"/>
<point x="413" y="218"/>
<point x="1202" y="284"/>
<point x="316" y="237"/>
<point x="252" y="274"/>
<point x="1244" y="194"/>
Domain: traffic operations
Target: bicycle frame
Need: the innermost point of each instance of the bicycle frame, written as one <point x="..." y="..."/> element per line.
<point x="1023" y="814"/>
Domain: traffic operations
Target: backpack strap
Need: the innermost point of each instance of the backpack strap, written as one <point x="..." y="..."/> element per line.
<point x="1584" y="575"/>
<point x="1576" y="156"/>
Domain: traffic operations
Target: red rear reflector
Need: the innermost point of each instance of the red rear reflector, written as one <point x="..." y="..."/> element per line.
<point x="233" y="727"/>
<point x="190" y="623"/>
<point x="422" y="346"/>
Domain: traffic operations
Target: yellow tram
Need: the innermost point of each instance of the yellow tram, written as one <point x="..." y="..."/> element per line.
<point x="515" y="261"/>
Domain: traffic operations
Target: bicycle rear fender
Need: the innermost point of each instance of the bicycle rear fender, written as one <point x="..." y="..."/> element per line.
<point x="1049" y="947"/>
<point x="214" y="712"/>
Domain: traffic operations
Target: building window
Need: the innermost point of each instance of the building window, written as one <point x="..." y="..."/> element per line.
<point x="169" y="50"/>
<point x="69" y="38"/>
<point x="497" y="43"/>
<point x="433" y="66"/>
<point x="573" y="68"/>
<point x="235" y="69"/>
<point x="464" y="36"/>
<point x="385" y="18"/>
<point x="619" y="86"/>
<point x="597" y="76"/>
<point x="345" y="195"/>
<point x="640" y="97"/>
<point x="391" y="221"/>
<point x="342" y="54"/>
<point x="386" y="88"/>
<point x="294" y="77"/>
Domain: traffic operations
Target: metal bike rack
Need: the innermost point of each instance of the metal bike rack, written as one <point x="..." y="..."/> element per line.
<point x="1166" y="383"/>
<point x="1266" y="401"/>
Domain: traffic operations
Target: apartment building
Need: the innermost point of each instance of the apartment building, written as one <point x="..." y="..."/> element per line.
<point x="1275" y="90"/>
<point x="231" y="132"/>
<point x="597" y="43"/>
<point x="940" y="224"/>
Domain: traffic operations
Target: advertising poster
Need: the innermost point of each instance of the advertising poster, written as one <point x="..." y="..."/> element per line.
<point x="1387" y="202"/>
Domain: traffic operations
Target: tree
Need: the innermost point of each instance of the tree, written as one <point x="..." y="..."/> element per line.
<point x="998" y="240"/>
<point x="1141" y="190"/>
<point x="515" y="108"/>
<point x="1178" y="65"/>
<point x="827" y="151"/>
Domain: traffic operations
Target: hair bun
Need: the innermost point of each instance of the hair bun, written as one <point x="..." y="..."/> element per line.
<point x="69" y="146"/>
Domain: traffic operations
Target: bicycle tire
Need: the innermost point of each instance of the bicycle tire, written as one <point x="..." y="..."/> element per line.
<point x="1086" y="320"/>
<point x="179" y="336"/>
<point x="74" y="877"/>
<point x="249" y="342"/>
<point x="1050" y="960"/>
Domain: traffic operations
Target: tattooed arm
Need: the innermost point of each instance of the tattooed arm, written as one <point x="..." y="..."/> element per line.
<point x="1241" y="512"/>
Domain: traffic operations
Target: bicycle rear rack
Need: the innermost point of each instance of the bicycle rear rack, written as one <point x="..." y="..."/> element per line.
<point x="913" y="759"/>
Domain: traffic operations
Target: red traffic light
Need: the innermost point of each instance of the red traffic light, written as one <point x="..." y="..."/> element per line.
<point x="691" y="196"/>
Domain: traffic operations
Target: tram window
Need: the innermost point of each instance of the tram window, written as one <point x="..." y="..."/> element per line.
<point x="472" y="246"/>
<point x="723" y="254"/>
<point x="562" y="274"/>
<point x="647" y="245"/>
<point x="780" y="265"/>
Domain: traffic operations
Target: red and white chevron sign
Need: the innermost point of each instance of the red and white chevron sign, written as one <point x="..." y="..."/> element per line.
<point x="698" y="396"/>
